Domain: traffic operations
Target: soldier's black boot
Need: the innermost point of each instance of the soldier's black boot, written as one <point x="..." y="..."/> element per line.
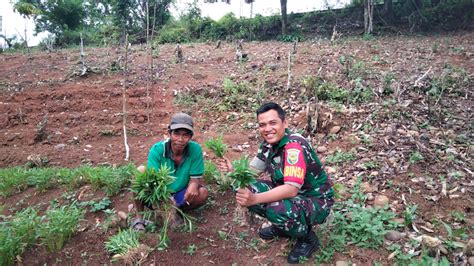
<point x="271" y="232"/>
<point x="304" y="247"/>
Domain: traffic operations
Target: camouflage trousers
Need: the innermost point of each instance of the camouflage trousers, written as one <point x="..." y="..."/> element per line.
<point x="296" y="215"/>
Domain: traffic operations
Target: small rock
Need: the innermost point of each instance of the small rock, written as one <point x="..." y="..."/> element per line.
<point x="330" y="170"/>
<point x="321" y="149"/>
<point x="381" y="200"/>
<point x="443" y="250"/>
<point x="366" y="187"/>
<point x="335" y="130"/>
<point x="341" y="263"/>
<point x="401" y="131"/>
<point x="413" y="133"/>
<point x="471" y="261"/>
<point x="60" y="146"/>
<point x="370" y="196"/>
<point x="393" y="235"/>
<point x="389" y="130"/>
<point x="470" y="247"/>
<point x="429" y="241"/>
<point x="122" y="215"/>
<point x="374" y="173"/>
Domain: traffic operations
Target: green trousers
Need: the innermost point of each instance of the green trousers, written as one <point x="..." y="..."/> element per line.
<point x="296" y="215"/>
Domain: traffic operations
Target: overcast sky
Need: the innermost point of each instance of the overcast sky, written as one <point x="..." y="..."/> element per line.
<point x="14" y="24"/>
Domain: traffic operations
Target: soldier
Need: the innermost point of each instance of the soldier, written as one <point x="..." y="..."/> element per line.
<point x="299" y="193"/>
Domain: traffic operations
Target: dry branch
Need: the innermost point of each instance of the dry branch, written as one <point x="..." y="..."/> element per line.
<point x="124" y="101"/>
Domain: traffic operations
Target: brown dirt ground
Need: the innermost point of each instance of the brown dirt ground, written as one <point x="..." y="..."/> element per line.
<point x="85" y="126"/>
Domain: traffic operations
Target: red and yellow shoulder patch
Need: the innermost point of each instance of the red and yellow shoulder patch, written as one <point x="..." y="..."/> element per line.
<point x="295" y="165"/>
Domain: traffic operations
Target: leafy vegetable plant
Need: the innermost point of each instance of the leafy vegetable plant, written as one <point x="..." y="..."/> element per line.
<point x="217" y="146"/>
<point x="242" y="175"/>
<point x="152" y="186"/>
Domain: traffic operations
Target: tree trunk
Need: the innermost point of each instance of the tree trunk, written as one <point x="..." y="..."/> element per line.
<point x="284" y="17"/>
<point x="388" y="9"/>
<point x="368" y="16"/>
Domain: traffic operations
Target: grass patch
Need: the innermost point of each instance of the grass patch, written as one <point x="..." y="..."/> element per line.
<point x="58" y="225"/>
<point x="340" y="157"/>
<point x="12" y="180"/>
<point x="16" y="234"/>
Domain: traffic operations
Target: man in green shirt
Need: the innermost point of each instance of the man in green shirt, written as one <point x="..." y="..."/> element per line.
<point x="185" y="158"/>
<point x="299" y="193"/>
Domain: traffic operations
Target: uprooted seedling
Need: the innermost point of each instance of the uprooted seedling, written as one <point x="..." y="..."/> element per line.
<point x="241" y="177"/>
<point x="217" y="146"/>
<point x="125" y="246"/>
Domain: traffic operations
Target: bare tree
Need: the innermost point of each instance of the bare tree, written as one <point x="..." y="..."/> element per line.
<point x="284" y="16"/>
<point x="368" y="16"/>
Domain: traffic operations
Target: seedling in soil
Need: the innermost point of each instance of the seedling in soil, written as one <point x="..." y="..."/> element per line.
<point x="101" y="205"/>
<point x="126" y="246"/>
<point x="190" y="250"/>
<point x="217" y="146"/>
<point x="16" y="234"/>
<point x="58" y="225"/>
<point x="211" y="172"/>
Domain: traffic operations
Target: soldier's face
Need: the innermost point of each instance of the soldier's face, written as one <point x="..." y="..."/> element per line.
<point x="271" y="127"/>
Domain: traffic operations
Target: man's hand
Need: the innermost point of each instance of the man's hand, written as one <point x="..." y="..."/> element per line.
<point x="192" y="192"/>
<point x="225" y="165"/>
<point x="245" y="197"/>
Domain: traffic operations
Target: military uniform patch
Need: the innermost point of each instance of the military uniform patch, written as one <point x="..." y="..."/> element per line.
<point x="292" y="155"/>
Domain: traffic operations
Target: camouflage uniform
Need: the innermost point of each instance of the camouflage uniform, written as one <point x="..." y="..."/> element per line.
<point x="293" y="161"/>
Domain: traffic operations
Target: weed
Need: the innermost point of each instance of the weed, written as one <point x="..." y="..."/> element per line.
<point x="101" y="205"/>
<point x="122" y="242"/>
<point x="415" y="157"/>
<point x="190" y="250"/>
<point x="360" y="93"/>
<point x="340" y="157"/>
<point x="458" y="216"/>
<point x="211" y="172"/>
<point x="388" y="79"/>
<point x="370" y="165"/>
<point x="409" y="214"/>
<point x="243" y="175"/>
<point x="58" y="225"/>
<point x="222" y="235"/>
<point x="16" y="234"/>
<point x="12" y="179"/>
<point x="216" y="145"/>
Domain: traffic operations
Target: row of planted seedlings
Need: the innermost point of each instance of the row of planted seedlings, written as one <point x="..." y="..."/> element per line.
<point x="57" y="224"/>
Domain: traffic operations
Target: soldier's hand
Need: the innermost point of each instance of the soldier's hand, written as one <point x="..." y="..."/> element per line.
<point x="245" y="197"/>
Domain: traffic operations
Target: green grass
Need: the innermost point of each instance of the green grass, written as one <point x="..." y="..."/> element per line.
<point x="211" y="172"/>
<point x="59" y="225"/>
<point x="123" y="242"/>
<point x="152" y="186"/>
<point x="16" y="234"/>
<point x="340" y="157"/>
<point x="111" y="179"/>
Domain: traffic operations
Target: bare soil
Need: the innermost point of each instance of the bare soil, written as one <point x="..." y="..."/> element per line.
<point x="84" y="125"/>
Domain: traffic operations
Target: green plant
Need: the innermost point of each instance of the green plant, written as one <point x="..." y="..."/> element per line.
<point x="216" y="145"/>
<point x="103" y="204"/>
<point x="243" y="175"/>
<point x="125" y="245"/>
<point x="458" y="216"/>
<point x="152" y="186"/>
<point x="16" y="234"/>
<point x="58" y="225"/>
<point x="12" y="179"/>
<point x="340" y="157"/>
<point x="211" y="172"/>
<point x="409" y="214"/>
<point x="415" y="157"/>
<point x="190" y="250"/>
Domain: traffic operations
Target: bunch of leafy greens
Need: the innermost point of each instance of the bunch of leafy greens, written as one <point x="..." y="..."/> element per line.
<point x="243" y="175"/>
<point x="152" y="186"/>
<point x="217" y="146"/>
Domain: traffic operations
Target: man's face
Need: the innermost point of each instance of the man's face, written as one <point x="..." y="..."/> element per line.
<point x="271" y="127"/>
<point x="179" y="139"/>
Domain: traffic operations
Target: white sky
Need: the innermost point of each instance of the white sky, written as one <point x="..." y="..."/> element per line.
<point x="14" y="24"/>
